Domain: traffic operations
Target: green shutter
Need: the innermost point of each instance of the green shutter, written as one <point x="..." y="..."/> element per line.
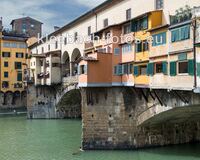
<point x="172" y="68"/>
<point x="164" y="65"/>
<point x="191" y="67"/>
<point x="120" y="70"/>
<point x="19" y="76"/>
<point x="133" y="26"/>
<point x="198" y="69"/>
<point x="150" y="69"/>
<point x="136" y="70"/>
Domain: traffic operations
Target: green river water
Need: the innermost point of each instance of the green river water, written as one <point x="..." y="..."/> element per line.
<point x="22" y="139"/>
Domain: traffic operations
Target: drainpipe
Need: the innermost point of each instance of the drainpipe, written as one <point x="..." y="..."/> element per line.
<point x="194" y="48"/>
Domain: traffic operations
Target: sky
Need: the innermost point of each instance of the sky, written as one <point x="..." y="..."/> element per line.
<point x="50" y="12"/>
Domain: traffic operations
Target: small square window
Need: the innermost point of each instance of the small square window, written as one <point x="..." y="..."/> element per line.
<point x="5" y="64"/>
<point x="183" y="67"/>
<point x="159" y="4"/>
<point x="5" y="74"/>
<point x="105" y="22"/>
<point x="128" y="14"/>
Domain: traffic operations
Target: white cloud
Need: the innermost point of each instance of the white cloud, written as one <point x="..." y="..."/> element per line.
<point x="90" y="3"/>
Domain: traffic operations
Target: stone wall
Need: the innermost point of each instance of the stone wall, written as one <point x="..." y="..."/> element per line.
<point x="110" y="121"/>
<point x="44" y="102"/>
<point x="10" y="101"/>
<point x="41" y="102"/>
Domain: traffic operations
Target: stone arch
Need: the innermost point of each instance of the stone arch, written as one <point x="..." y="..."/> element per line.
<point x="65" y="64"/>
<point x="76" y="54"/>
<point x="8" y="98"/>
<point x="1" y="98"/>
<point x="24" y="98"/>
<point x="16" y="98"/>
<point x="69" y="105"/>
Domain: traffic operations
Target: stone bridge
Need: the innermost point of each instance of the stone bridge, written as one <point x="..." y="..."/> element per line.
<point x="130" y="118"/>
<point x="43" y="100"/>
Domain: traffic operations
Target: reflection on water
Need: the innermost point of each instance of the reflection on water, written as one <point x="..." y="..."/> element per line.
<point x="22" y="139"/>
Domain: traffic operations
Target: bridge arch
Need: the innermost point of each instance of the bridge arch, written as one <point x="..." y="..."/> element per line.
<point x="69" y="105"/>
<point x="76" y="54"/>
<point x="65" y="64"/>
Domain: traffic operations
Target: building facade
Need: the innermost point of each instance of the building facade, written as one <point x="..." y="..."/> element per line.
<point x="13" y="62"/>
<point x="28" y="26"/>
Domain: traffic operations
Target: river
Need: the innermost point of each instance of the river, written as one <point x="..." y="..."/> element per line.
<point x="22" y="139"/>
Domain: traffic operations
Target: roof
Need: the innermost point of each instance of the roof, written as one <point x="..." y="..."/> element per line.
<point x="24" y="18"/>
<point x="81" y="18"/>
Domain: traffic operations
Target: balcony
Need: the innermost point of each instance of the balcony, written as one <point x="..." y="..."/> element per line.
<point x="89" y="45"/>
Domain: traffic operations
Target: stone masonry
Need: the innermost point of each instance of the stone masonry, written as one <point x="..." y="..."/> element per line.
<point x="110" y="119"/>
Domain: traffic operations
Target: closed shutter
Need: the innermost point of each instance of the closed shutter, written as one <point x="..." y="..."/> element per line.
<point x="85" y="69"/>
<point x="19" y="76"/>
<point x="164" y="66"/>
<point x="150" y="69"/>
<point x="120" y="69"/>
<point x="136" y="70"/>
<point x="198" y="69"/>
<point x="79" y="70"/>
<point x="172" y="68"/>
<point x="191" y="67"/>
<point x="133" y="26"/>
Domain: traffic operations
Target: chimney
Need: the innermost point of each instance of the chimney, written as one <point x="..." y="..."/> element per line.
<point x="1" y="25"/>
<point x="56" y="28"/>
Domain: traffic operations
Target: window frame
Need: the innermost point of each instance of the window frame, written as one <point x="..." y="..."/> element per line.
<point x="178" y="72"/>
<point x="161" y="4"/>
<point x="128" y="14"/>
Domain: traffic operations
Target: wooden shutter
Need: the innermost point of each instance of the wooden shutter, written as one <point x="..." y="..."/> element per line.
<point x="150" y="69"/>
<point x="164" y="66"/>
<point x="85" y="69"/>
<point x="79" y="70"/>
<point x="198" y="69"/>
<point x="136" y="70"/>
<point x="172" y="68"/>
<point x="191" y="67"/>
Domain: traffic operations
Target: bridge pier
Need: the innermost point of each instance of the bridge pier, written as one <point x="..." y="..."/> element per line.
<point x="110" y="119"/>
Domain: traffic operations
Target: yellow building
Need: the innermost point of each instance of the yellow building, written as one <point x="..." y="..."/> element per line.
<point x="13" y="62"/>
<point x="140" y="27"/>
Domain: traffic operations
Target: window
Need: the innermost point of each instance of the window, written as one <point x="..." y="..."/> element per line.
<point x="49" y="47"/>
<point x="159" y="39"/>
<point x="5" y="84"/>
<point x="42" y="49"/>
<point x="118" y="70"/>
<point x="19" y="76"/>
<point x="56" y="44"/>
<point x="159" y="4"/>
<point x="22" y="45"/>
<point x="75" y="36"/>
<point x="127" y="28"/>
<point x="5" y="74"/>
<point x="180" y="34"/>
<point x="159" y="68"/>
<point x="105" y="22"/>
<point x="126" y="48"/>
<point x="139" y="24"/>
<point x="18" y="65"/>
<point x="143" y="70"/>
<point x="89" y="31"/>
<point x="65" y="41"/>
<point x="127" y="68"/>
<point x="128" y="14"/>
<point x="5" y="64"/>
<point x="138" y="47"/>
<point x="183" y="67"/>
<point x="6" y="54"/>
<point x="145" y="45"/>
<point x="142" y="46"/>
<point x="117" y="51"/>
<point x="107" y="35"/>
<point x="19" y="55"/>
<point x="82" y="69"/>
<point x="6" y="44"/>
